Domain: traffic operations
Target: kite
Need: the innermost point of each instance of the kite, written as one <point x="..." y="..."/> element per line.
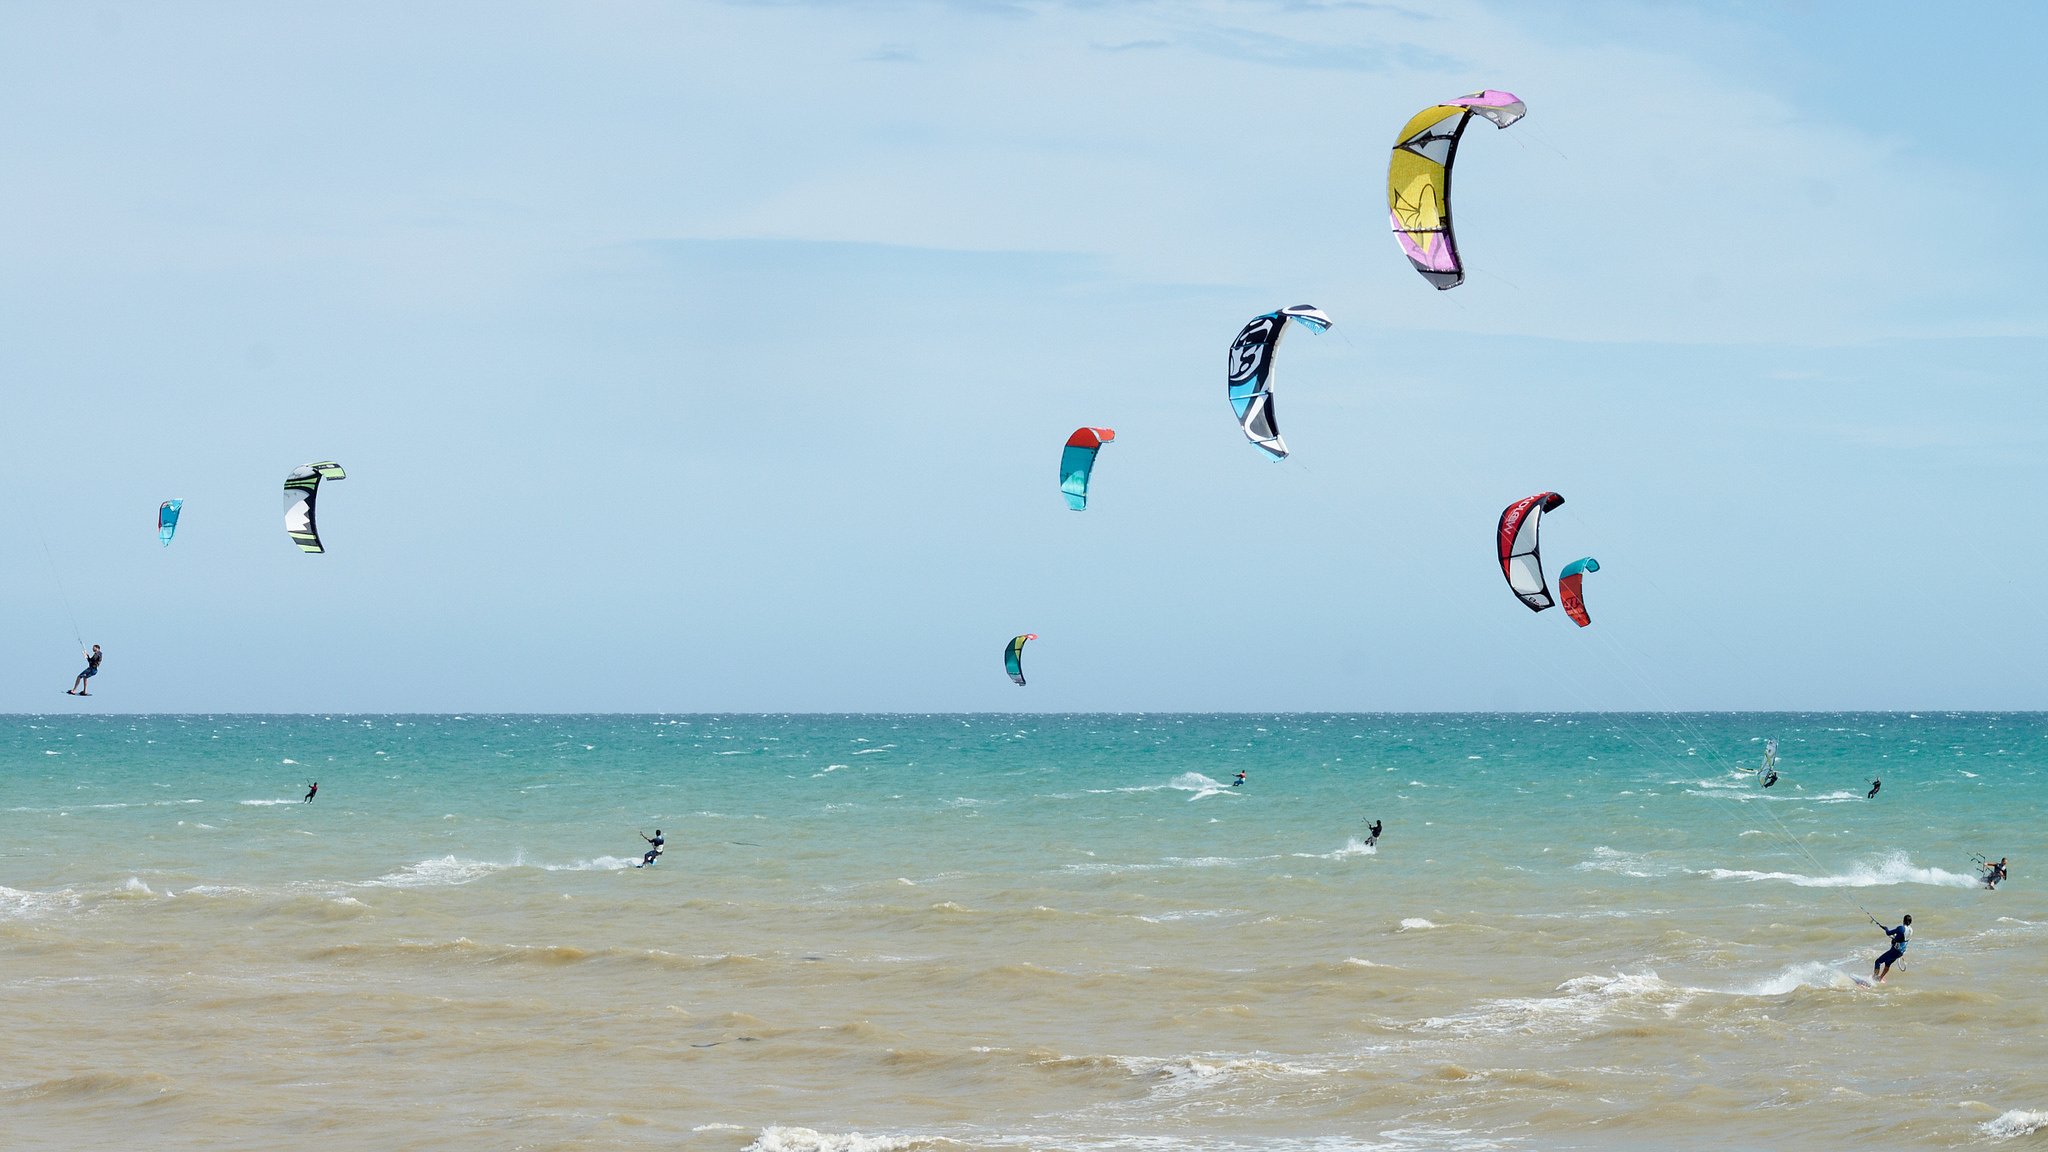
<point x="1569" y="590"/>
<point x="167" y="520"/>
<point x="301" y="492"/>
<point x="1521" y="557"/>
<point x="1419" y="180"/>
<point x="1077" y="461"/>
<point x="1251" y="372"/>
<point x="1013" y="656"/>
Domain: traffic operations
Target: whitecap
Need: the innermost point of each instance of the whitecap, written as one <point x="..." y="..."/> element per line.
<point x="2016" y="1122"/>
<point x="780" y="1139"/>
<point x="432" y="873"/>
<point x="1896" y="868"/>
<point x="1414" y="922"/>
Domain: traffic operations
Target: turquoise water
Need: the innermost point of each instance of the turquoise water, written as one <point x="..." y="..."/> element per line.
<point x="1032" y="931"/>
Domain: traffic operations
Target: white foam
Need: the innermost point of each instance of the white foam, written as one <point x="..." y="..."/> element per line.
<point x="600" y="864"/>
<point x="1806" y="974"/>
<point x="434" y="873"/>
<point x="1896" y="868"/>
<point x="1607" y="859"/>
<point x="265" y="803"/>
<point x="1352" y="847"/>
<point x="18" y="905"/>
<point x="1584" y="1000"/>
<point x="2016" y="1122"/>
<point x="780" y="1139"/>
<point x="1415" y="922"/>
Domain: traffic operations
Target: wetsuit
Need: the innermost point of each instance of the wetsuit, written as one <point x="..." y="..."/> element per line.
<point x="1899" y="936"/>
<point x="1239" y="781"/>
<point x="652" y="852"/>
<point x="1874" y="786"/>
<point x="312" y="790"/>
<point x="1770" y="777"/>
<point x="1374" y="838"/>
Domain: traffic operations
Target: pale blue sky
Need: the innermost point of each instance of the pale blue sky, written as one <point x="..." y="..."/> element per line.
<point x="699" y="357"/>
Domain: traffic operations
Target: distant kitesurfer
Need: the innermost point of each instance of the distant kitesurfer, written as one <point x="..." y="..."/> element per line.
<point x="1374" y="836"/>
<point x="1874" y="786"/>
<point x="654" y="847"/>
<point x="1239" y="782"/>
<point x="1899" y="936"/>
<point x="312" y="790"/>
<point x="92" y="669"/>
<point x="1993" y="873"/>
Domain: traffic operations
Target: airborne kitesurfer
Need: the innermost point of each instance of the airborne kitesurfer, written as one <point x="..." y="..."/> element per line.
<point x="92" y="669"/>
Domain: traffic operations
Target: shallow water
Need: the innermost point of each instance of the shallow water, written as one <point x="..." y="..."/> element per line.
<point x="878" y="932"/>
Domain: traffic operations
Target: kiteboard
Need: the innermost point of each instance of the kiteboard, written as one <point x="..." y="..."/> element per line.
<point x="1861" y="982"/>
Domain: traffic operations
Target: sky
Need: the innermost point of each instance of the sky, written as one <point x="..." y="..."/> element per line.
<point x="702" y="357"/>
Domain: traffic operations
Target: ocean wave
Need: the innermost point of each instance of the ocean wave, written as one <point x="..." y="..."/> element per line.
<point x="266" y="803"/>
<point x="16" y="904"/>
<point x="2016" y="1122"/>
<point x="1415" y="922"/>
<point x="1607" y="859"/>
<point x="1585" y="1000"/>
<point x="445" y="870"/>
<point x="1896" y="868"/>
<point x="1181" y="1075"/>
<point x="780" y="1139"/>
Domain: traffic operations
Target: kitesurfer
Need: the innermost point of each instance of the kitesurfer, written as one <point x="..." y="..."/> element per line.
<point x="654" y="847"/>
<point x="1898" y="936"/>
<point x="1874" y="786"/>
<point x="1993" y="873"/>
<point x="1374" y="834"/>
<point x="92" y="669"/>
<point x="1239" y="782"/>
<point x="312" y="790"/>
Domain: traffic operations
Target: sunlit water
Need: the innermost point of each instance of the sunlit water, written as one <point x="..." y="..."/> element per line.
<point x="1042" y="932"/>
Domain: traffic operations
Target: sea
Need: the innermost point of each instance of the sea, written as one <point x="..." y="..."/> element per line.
<point x="872" y="933"/>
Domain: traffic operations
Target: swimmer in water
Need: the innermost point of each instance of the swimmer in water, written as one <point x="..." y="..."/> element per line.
<point x="1899" y="936"/>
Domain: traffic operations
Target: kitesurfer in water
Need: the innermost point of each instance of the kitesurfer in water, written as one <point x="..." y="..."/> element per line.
<point x="1239" y="782"/>
<point x="1874" y="786"/>
<point x="1993" y="873"/>
<point x="1899" y="936"/>
<point x="92" y="669"/>
<point x="312" y="790"/>
<point x="654" y="847"/>
<point x="1373" y="836"/>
